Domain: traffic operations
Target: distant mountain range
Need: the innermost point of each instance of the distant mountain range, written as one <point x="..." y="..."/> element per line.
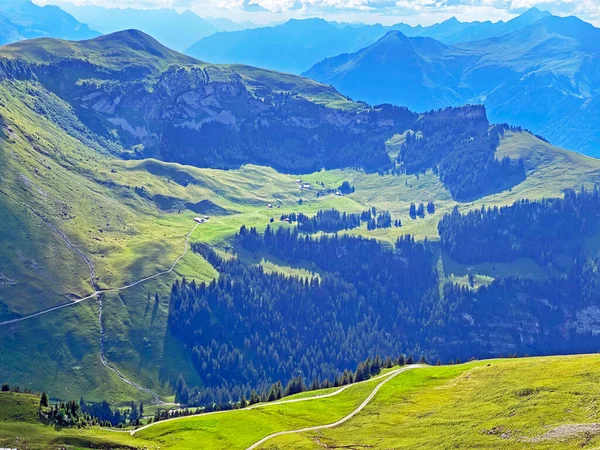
<point x="175" y="30"/>
<point x="453" y="31"/>
<point x="544" y="76"/>
<point x="306" y="42"/>
<point x="22" y="19"/>
<point x="303" y="42"/>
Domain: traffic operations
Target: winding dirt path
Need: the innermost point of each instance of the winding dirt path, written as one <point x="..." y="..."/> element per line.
<point x="386" y="377"/>
<point x="97" y="291"/>
<point x="362" y="406"/>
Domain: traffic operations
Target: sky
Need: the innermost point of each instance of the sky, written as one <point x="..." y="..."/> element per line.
<point x="387" y="12"/>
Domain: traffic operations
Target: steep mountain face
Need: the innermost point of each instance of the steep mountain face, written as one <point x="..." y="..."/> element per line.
<point x="22" y="19"/>
<point x="409" y="71"/>
<point x="144" y="100"/>
<point x="175" y="30"/>
<point x="543" y="77"/>
<point x="148" y="100"/>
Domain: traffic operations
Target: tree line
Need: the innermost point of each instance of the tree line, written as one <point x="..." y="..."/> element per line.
<point x="332" y="221"/>
<point x="540" y="230"/>
<point x="459" y="145"/>
<point x="249" y="329"/>
<point x="80" y="413"/>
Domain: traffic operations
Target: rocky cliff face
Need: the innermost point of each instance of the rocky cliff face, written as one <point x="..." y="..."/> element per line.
<point x="211" y="116"/>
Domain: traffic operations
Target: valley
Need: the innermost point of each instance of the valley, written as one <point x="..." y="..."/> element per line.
<point x="261" y="248"/>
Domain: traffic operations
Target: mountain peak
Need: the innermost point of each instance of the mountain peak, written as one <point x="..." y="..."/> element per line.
<point x="452" y="20"/>
<point x="134" y="39"/>
<point x="120" y="51"/>
<point x="393" y="34"/>
<point x="313" y="21"/>
<point x="128" y="34"/>
<point x="530" y="16"/>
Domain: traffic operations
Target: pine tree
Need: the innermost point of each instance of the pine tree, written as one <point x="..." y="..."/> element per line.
<point x="412" y="211"/>
<point x="44" y="400"/>
<point x="254" y="398"/>
<point x="430" y="208"/>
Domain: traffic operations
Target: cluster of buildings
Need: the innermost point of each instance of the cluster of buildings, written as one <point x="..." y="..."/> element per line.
<point x="303" y="185"/>
<point x="201" y="219"/>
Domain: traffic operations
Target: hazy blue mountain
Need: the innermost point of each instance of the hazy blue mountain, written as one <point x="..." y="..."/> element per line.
<point x="544" y="77"/>
<point x="22" y="19"/>
<point x="396" y="69"/>
<point x="290" y="47"/>
<point x="306" y="42"/>
<point x="176" y="31"/>
<point x="223" y="24"/>
<point x="453" y="31"/>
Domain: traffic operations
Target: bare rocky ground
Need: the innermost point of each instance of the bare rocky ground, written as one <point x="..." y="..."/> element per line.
<point x="563" y="432"/>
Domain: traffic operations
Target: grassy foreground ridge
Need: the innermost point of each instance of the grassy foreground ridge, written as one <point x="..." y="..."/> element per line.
<point x="540" y="403"/>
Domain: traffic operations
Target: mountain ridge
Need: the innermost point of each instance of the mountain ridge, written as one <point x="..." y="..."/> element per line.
<point x="320" y="39"/>
<point x="26" y="20"/>
<point x="522" y="77"/>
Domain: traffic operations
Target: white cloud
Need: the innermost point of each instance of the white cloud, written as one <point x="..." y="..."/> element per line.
<point x="370" y="11"/>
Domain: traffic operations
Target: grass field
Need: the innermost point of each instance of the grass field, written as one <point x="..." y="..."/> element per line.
<point x="539" y="403"/>
<point x="518" y="403"/>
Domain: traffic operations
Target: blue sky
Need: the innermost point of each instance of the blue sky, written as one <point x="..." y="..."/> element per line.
<point x="423" y="12"/>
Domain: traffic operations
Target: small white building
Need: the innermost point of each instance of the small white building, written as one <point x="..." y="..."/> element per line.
<point x="199" y="219"/>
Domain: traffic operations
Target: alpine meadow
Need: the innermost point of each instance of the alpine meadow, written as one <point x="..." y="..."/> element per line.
<point x="399" y="248"/>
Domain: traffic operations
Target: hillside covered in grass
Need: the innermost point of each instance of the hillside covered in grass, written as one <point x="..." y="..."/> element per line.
<point x="545" y="403"/>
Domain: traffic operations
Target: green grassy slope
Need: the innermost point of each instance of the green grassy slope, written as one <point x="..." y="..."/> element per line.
<point x="524" y="403"/>
<point x="539" y="403"/>
<point x="130" y="218"/>
<point x="118" y="51"/>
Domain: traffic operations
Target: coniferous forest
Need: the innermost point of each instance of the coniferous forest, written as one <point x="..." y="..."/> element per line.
<point x="459" y="145"/>
<point x="249" y="329"/>
<point x="537" y="230"/>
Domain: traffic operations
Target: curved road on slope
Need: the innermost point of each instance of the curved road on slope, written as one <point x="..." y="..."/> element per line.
<point x="98" y="291"/>
<point x="386" y="377"/>
<point x="344" y="419"/>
